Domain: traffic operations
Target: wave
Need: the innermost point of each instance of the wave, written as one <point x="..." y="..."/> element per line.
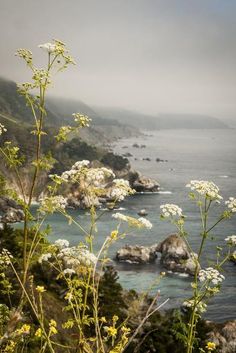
<point x="223" y="176"/>
<point x="165" y="192"/>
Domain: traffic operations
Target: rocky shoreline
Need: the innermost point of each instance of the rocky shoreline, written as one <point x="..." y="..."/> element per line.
<point x="175" y="255"/>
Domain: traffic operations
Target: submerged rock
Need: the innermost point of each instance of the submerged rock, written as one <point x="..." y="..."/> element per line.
<point x="142" y="212"/>
<point x="143" y="183"/>
<point x="137" y="254"/>
<point x="175" y="255"/>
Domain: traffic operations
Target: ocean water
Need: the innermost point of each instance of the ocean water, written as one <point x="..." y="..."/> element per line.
<point x="191" y="154"/>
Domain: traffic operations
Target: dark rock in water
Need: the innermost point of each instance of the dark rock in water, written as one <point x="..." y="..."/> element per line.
<point x="143" y="146"/>
<point x="142" y="212"/>
<point x="135" y="145"/>
<point x="11" y="212"/>
<point x="127" y="154"/>
<point x="224" y="336"/>
<point x="175" y="255"/>
<point x="137" y="254"/>
<point x="12" y="215"/>
<point x="124" y="146"/>
<point x="142" y="184"/>
<point x="147" y="159"/>
<point x="161" y="160"/>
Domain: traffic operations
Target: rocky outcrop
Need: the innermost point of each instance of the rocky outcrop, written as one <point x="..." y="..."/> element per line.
<point x="10" y="211"/>
<point x="145" y="184"/>
<point x="224" y="337"/>
<point x="175" y="255"/>
<point x="137" y="254"/>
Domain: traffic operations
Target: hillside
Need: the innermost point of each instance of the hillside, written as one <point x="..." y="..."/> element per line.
<point x="59" y="112"/>
<point x="162" y="121"/>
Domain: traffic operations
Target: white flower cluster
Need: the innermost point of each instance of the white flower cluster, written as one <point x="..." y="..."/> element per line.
<point x="205" y="188"/>
<point x="45" y="257"/>
<point x="139" y="223"/>
<point x="96" y="176"/>
<point x="120" y="190"/>
<point x="51" y="204"/>
<point x="71" y="256"/>
<point x="82" y="120"/>
<point x="93" y="177"/>
<point x="145" y="222"/>
<point x="48" y="47"/>
<point x="212" y="275"/>
<point x="200" y="307"/>
<point x="76" y="256"/>
<point x="62" y="243"/>
<point x="231" y="240"/>
<point x="2" y="129"/>
<point x="5" y="257"/>
<point x="231" y="203"/>
<point x="170" y="210"/>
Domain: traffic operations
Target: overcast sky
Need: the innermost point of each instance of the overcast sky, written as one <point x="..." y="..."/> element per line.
<point x="148" y="55"/>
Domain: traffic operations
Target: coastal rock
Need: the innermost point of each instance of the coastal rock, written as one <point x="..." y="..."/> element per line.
<point x="143" y="183"/>
<point x="10" y="211"/>
<point x="175" y="255"/>
<point x="224" y="337"/>
<point x="137" y="254"/>
<point x="12" y="215"/>
<point x="142" y="213"/>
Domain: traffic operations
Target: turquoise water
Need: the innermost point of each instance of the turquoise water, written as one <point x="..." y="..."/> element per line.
<point x="191" y="154"/>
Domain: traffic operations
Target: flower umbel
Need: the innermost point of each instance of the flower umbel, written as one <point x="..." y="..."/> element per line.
<point x="211" y="275"/>
<point x="170" y="210"/>
<point x="205" y="188"/>
<point x="231" y="204"/>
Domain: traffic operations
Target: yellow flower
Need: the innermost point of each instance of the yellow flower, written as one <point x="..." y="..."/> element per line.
<point x="114" y="234"/>
<point x="112" y="331"/>
<point x="38" y="333"/>
<point x="211" y="346"/>
<point x="40" y="289"/>
<point x="53" y="325"/>
<point x="53" y="330"/>
<point x="103" y="319"/>
<point x="10" y="347"/>
<point x="24" y="330"/>
<point x="115" y="318"/>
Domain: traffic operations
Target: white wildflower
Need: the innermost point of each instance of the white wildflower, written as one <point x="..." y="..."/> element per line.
<point x="48" y="47"/>
<point x="80" y="164"/>
<point x="69" y="271"/>
<point x="199" y="307"/>
<point x="120" y="190"/>
<point x="62" y="243"/>
<point x="120" y="216"/>
<point x="5" y="257"/>
<point x="82" y="120"/>
<point x="211" y="275"/>
<point x="205" y="188"/>
<point x="231" y="204"/>
<point x="75" y="256"/>
<point x="170" y="210"/>
<point x="231" y="240"/>
<point x="2" y="129"/>
<point x="44" y="257"/>
<point x="133" y="222"/>
<point x="51" y="204"/>
<point x="145" y="222"/>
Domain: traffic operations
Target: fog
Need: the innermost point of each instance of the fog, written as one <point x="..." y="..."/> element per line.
<point x="152" y="56"/>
